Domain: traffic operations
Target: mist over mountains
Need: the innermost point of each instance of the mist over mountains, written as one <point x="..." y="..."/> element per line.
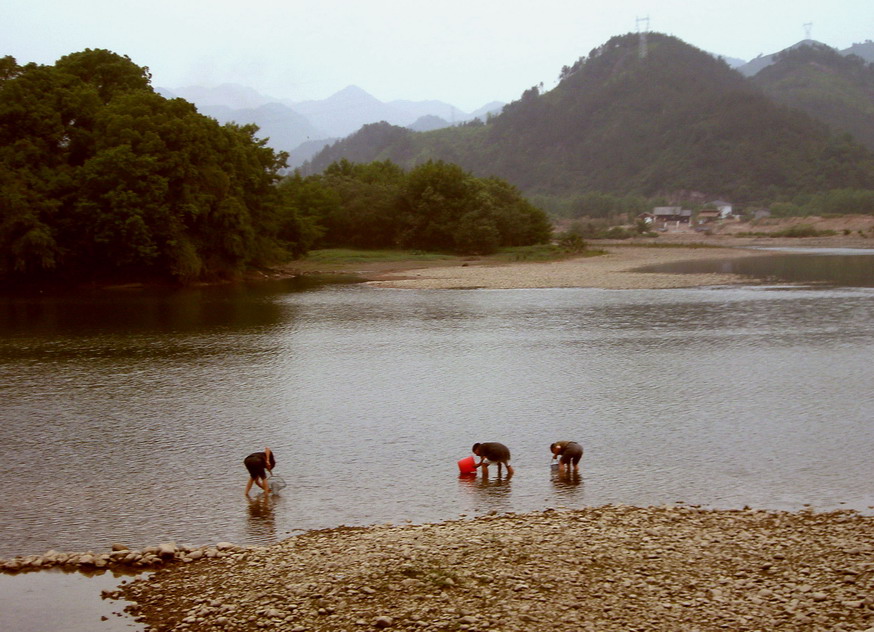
<point x="656" y="122"/>
<point x="840" y="95"/>
<point x="305" y="127"/>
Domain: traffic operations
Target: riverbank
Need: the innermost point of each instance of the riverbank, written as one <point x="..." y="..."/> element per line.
<point x="618" y="269"/>
<point x="610" y="264"/>
<point x="602" y="568"/>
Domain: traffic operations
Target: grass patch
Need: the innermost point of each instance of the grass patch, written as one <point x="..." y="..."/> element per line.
<point x="338" y="258"/>
<point x="542" y="252"/>
<point x="693" y="244"/>
<point x="347" y="255"/>
<point x="801" y="230"/>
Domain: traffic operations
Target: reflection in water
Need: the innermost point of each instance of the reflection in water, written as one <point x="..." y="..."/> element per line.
<point x="710" y="396"/>
<point x="565" y="478"/>
<point x="568" y="484"/>
<point x="490" y="494"/>
<point x="261" y="524"/>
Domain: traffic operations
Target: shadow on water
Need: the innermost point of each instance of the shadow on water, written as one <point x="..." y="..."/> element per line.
<point x="147" y="310"/>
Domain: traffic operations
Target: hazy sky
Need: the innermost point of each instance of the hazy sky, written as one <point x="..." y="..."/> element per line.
<point x="465" y="52"/>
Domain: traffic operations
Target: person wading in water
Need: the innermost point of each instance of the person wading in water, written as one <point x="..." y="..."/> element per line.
<point x="257" y="463"/>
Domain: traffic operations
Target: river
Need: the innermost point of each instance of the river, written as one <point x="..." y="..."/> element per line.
<point x="126" y="415"/>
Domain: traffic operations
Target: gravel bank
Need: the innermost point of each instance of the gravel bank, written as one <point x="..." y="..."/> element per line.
<point x="607" y="568"/>
<point x="615" y="271"/>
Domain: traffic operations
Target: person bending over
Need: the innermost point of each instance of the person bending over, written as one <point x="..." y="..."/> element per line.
<point x="493" y="452"/>
<point x="570" y="452"/>
<point x="256" y="463"/>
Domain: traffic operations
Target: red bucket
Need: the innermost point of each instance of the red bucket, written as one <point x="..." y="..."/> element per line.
<point x="467" y="465"/>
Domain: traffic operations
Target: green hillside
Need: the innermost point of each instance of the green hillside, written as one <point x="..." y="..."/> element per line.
<point x="836" y="89"/>
<point x="674" y="120"/>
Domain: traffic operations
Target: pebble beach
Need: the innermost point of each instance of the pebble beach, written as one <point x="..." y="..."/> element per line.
<point x="603" y="568"/>
<point x="600" y="568"/>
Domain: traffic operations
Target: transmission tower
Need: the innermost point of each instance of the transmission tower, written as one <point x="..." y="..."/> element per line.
<point x="807" y="27"/>
<point x="642" y="34"/>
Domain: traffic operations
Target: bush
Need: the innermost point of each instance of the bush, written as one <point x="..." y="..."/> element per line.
<point x="572" y="242"/>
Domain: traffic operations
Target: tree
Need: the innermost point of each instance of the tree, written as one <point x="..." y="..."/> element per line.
<point x="102" y="176"/>
<point x="436" y="206"/>
<point x="435" y="197"/>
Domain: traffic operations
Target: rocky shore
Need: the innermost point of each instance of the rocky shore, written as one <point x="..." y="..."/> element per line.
<point x="602" y="568"/>
<point x="120" y="558"/>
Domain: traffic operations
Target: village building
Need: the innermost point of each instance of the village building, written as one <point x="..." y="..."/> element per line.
<point x="667" y="216"/>
<point x="708" y="215"/>
<point x="725" y="208"/>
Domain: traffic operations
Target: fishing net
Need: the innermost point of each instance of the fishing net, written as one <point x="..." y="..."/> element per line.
<point x="276" y="482"/>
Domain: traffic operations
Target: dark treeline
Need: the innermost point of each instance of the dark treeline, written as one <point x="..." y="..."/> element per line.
<point x="434" y="206"/>
<point x="102" y="178"/>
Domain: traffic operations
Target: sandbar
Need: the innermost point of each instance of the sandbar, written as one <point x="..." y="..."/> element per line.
<point x="616" y="270"/>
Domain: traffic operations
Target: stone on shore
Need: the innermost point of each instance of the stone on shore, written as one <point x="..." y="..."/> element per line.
<point x="613" y="568"/>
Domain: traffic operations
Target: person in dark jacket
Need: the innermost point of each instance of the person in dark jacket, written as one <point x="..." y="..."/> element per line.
<point x="570" y="452"/>
<point x="257" y="463"/>
<point x="493" y="452"/>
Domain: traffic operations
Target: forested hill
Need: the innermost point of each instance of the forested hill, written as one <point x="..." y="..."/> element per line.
<point x="834" y="88"/>
<point x="674" y="119"/>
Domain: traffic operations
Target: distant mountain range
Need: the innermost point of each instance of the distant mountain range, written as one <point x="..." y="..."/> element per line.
<point x="303" y="128"/>
<point x="753" y="67"/>
<point x="676" y="119"/>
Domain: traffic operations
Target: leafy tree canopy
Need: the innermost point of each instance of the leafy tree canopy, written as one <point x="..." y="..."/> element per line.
<point x="100" y="176"/>
<point x="435" y="206"/>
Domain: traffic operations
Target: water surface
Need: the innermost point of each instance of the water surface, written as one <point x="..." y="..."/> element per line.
<point x="849" y="267"/>
<point x="126" y="417"/>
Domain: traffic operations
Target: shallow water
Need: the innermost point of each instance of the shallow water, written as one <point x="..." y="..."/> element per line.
<point x="49" y="601"/>
<point x="126" y="417"/>
<point x="848" y="267"/>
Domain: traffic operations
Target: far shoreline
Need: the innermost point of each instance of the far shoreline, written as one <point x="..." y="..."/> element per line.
<point x="605" y="264"/>
<point x="608" y="264"/>
<point x="617" y="269"/>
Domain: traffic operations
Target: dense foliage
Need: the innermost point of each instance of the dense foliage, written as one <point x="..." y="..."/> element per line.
<point x="674" y="120"/>
<point x="435" y="206"/>
<point x="101" y="177"/>
<point x="835" y="202"/>
<point x="834" y="88"/>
